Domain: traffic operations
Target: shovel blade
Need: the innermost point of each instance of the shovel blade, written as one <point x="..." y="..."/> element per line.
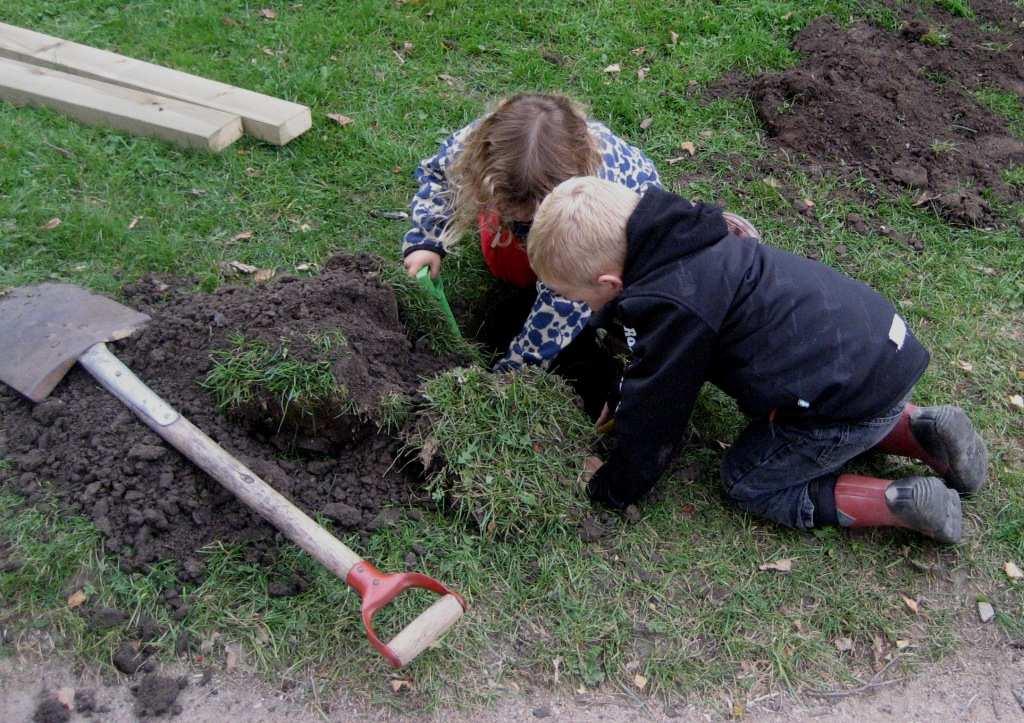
<point x="45" y="328"/>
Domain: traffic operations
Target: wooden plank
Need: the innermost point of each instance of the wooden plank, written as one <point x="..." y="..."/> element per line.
<point x="98" y="103"/>
<point x="270" y="119"/>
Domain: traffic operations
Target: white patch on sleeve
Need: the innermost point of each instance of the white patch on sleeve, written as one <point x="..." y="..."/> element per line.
<point x="630" y="337"/>
<point x="898" y="331"/>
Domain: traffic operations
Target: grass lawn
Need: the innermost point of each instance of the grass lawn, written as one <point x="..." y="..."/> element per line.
<point x="670" y="605"/>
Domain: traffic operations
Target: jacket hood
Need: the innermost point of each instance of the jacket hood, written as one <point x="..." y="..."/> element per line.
<point x="663" y="228"/>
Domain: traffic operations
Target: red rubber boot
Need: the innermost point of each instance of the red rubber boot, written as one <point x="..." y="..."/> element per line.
<point x="923" y="504"/>
<point x="945" y="440"/>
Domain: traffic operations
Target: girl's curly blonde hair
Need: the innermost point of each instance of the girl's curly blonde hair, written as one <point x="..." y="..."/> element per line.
<point x="516" y="155"/>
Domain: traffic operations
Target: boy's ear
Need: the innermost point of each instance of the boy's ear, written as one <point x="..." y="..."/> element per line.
<point x="612" y="281"/>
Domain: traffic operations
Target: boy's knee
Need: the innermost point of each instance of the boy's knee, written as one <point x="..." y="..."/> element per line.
<point x="731" y="476"/>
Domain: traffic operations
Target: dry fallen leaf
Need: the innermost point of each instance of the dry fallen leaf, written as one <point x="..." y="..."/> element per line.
<point x="901" y="644"/>
<point x="1017" y="401"/>
<point x="134" y="222"/>
<point x="966" y="366"/>
<point x="304" y="266"/>
<point x="613" y="68"/>
<point x="911" y="603"/>
<point x="445" y="78"/>
<point x="1020" y="374"/>
<point x="397" y="686"/>
<point x="66" y="697"/>
<point x="639" y="681"/>
<point x="641" y="73"/>
<point x="783" y="565"/>
<point x="268" y="13"/>
<point x="646" y="123"/>
<point x="263" y="275"/>
<point x="688" y="147"/>
<point x="244" y="268"/>
<point x="341" y="120"/>
<point x="771" y="182"/>
<point x="51" y="224"/>
<point x="673" y="37"/>
<point x="1012" y="571"/>
<point x="808" y="203"/>
<point x="844" y="645"/>
<point x="638" y="51"/>
<point x="75" y="599"/>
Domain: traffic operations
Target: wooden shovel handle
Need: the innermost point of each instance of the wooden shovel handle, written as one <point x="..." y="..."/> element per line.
<point x="426" y="629"/>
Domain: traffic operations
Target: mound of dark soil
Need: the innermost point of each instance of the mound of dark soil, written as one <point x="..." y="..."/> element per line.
<point x="85" y="448"/>
<point x="899" y="109"/>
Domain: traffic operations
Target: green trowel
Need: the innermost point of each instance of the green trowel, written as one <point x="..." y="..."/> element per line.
<point x="435" y="288"/>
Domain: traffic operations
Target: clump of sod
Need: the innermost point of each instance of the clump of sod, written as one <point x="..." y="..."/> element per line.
<point x="505" y="451"/>
<point x="251" y="370"/>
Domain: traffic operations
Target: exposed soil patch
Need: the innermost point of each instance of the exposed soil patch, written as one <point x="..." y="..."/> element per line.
<point x="898" y="107"/>
<point x="97" y="459"/>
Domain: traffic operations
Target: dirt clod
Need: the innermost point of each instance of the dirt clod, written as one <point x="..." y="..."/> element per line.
<point x="85" y="700"/>
<point x="157" y="695"/>
<point x="51" y="710"/>
<point x="129" y="659"/>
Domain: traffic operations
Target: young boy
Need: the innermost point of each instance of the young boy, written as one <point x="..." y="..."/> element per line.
<point x="821" y="363"/>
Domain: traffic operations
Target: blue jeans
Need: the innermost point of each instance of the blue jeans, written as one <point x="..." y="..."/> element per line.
<point x="768" y="468"/>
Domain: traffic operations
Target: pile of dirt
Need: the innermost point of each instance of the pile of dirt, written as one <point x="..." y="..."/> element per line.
<point x="898" y="107"/>
<point x="86" y="449"/>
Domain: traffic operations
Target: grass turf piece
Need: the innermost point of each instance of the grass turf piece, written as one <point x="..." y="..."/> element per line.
<point x="505" y="451"/>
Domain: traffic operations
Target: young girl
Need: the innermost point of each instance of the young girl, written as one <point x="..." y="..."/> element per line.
<point x="493" y="174"/>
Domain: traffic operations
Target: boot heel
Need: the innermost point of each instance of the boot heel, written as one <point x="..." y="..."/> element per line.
<point x="947" y="433"/>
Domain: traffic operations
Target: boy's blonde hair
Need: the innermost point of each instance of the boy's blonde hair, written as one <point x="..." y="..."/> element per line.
<point x="523" y="148"/>
<point x="579" y="231"/>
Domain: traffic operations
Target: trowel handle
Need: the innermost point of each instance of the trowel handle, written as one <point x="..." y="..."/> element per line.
<point x="263" y="499"/>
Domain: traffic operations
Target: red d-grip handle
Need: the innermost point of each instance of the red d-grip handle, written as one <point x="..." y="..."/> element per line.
<point x="377" y="589"/>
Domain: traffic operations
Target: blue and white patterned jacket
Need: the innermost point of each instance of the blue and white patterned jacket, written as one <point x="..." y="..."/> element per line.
<point x="553" y="321"/>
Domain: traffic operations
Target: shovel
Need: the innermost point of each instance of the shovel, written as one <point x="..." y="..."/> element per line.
<point x="435" y="288"/>
<point x="47" y="328"/>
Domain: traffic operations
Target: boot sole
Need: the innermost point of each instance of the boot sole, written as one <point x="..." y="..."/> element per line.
<point x="954" y="438"/>
<point x="935" y="510"/>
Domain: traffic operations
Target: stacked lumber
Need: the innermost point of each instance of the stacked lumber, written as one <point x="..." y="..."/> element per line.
<point x="103" y="88"/>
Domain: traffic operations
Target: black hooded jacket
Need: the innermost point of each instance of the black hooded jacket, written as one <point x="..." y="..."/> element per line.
<point x="773" y="330"/>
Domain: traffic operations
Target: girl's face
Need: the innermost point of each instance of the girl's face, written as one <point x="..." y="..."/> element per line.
<point x="519" y="219"/>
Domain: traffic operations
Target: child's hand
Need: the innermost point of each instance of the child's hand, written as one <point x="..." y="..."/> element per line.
<point x="418" y="259"/>
<point x="603" y="423"/>
<point x="739" y="226"/>
<point x="590" y="467"/>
